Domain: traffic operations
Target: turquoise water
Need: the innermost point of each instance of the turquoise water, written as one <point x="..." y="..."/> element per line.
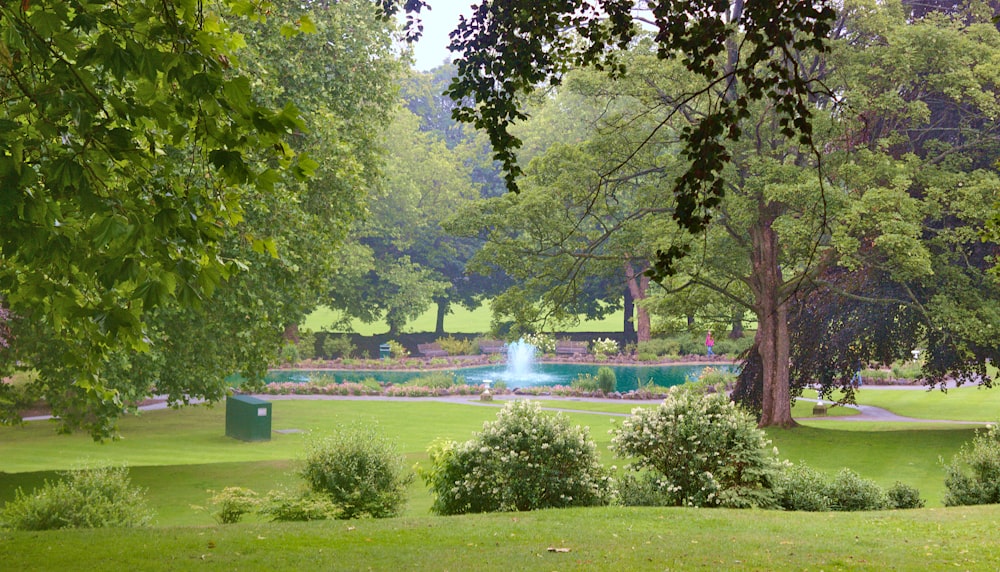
<point x="544" y="374"/>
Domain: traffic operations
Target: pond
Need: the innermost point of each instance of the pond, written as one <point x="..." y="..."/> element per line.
<point x="539" y="374"/>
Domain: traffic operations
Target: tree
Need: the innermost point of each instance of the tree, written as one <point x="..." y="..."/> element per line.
<point x="131" y="151"/>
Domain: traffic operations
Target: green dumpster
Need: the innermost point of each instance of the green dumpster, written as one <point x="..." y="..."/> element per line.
<point x="248" y="418"/>
<point x="384" y="350"/>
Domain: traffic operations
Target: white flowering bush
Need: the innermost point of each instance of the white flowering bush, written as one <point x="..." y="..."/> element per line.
<point x="703" y="449"/>
<point x="544" y="343"/>
<point x="524" y="460"/>
<point x="604" y="347"/>
<point x="360" y="471"/>
<point x="973" y="476"/>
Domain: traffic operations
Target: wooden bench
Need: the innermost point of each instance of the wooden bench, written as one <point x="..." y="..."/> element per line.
<point x="567" y="347"/>
<point x="492" y="347"/>
<point x="431" y="350"/>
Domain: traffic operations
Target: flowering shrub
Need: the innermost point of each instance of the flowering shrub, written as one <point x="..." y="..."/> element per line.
<point x="233" y="503"/>
<point x="524" y="460"/>
<point x="973" y="476"/>
<point x="604" y="347"/>
<point x="398" y="350"/>
<point x="544" y="343"/>
<point x="360" y="471"/>
<point x="706" y="451"/>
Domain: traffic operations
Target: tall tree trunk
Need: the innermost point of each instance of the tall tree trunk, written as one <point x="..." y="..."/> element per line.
<point x="772" y="339"/>
<point x="442" y="311"/>
<point x="638" y="284"/>
<point x="629" y="326"/>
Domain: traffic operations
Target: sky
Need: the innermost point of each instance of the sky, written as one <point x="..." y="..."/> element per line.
<point x="432" y="48"/>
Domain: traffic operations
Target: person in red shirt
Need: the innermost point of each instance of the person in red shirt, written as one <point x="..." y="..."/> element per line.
<point x="709" y="343"/>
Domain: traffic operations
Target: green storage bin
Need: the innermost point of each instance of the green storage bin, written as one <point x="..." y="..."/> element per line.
<point x="248" y="418"/>
<point x="384" y="350"/>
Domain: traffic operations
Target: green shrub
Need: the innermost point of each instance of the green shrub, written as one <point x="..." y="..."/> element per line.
<point x="306" y="344"/>
<point x="711" y="380"/>
<point x="604" y="347"/>
<point x="646" y="356"/>
<point x="800" y="487"/>
<point x="643" y="488"/>
<point x="233" y="503"/>
<point x="584" y="382"/>
<point x="544" y="343"/>
<point x="907" y="370"/>
<point x="727" y="347"/>
<point x="659" y="347"/>
<point x="398" y="350"/>
<point x="524" y="460"/>
<point x="606" y="380"/>
<point x="360" y="471"/>
<point x="457" y="347"/>
<point x="435" y="380"/>
<point x="339" y="347"/>
<point x="973" y="476"/>
<point x="708" y="451"/>
<point x="95" y="497"/>
<point x="284" y="506"/>
<point x="903" y="496"/>
<point x="289" y="354"/>
<point x="850" y="492"/>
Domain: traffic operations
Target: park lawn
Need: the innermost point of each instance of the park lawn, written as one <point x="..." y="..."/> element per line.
<point x="610" y="538"/>
<point x="971" y="403"/>
<point x="460" y="320"/>
<point x="181" y="455"/>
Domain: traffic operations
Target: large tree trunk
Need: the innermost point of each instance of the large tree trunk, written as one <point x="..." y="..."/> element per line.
<point x="629" y="325"/>
<point x="442" y="311"/>
<point x="771" y="308"/>
<point x="638" y="284"/>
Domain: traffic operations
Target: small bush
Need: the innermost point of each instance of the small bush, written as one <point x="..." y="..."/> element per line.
<point x="398" y="350"/>
<point x="973" y="476"/>
<point x="606" y="380"/>
<point x="360" y="471"/>
<point x="233" y="503"/>
<point x="907" y="370"/>
<point x="306" y="344"/>
<point x="904" y="496"/>
<point x="709" y="452"/>
<point x="339" y="347"/>
<point x="584" y="382"/>
<point x="524" y="460"/>
<point x="457" y="347"/>
<point x="96" y="497"/>
<point x="851" y="492"/>
<point x="800" y="487"/>
<point x="727" y="347"/>
<point x="659" y="347"/>
<point x="284" y="506"/>
<point x="643" y="488"/>
<point x="544" y="343"/>
<point x="289" y="354"/>
<point x="434" y="380"/>
<point x="711" y="380"/>
<point x="604" y="347"/>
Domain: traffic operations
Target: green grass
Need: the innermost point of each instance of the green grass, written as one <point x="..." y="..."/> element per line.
<point x="958" y="404"/>
<point x="592" y="539"/>
<point x="460" y="320"/>
<point x="179" y="456"/>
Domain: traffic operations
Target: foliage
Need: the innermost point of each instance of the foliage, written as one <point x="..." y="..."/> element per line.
<point x="95" y="497"/>
<point x="973" y="475"/>
<point x="398" y="350"/>
<point x="360" y="471"/>
<point x="524" y="460"/>
<point x="606" y="380"/>
<point x="233" y="503"/>
<point x="544" y="343"/>
<point x="435" y="380"/>
<point x="286" y="506"/>
<point x="711" y="380"/>
<point x="708" y="451"/>
<point x="307" y="344"/>
<point x="849" y="492"/>
<point x="903" y="496"/>
<point x="338" y="347"/>
<point x="604" y="346"/>
<point x="458" y="347"/>
<point x="643" y="488"/>
<point x="801" y="487"/>
<point x="584" y="382"/>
